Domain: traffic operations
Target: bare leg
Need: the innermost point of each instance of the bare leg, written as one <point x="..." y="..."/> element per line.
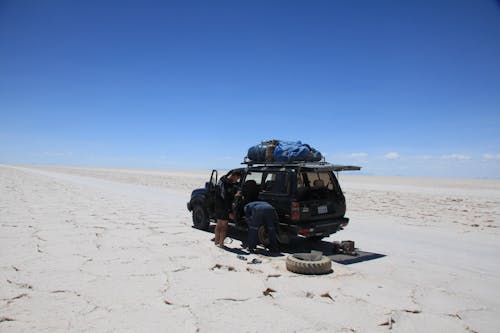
<point x="222" y="232"/>
<point x="217" y="232"/>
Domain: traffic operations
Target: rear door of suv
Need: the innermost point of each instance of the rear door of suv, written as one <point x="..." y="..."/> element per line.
<point x="318" y="196"/>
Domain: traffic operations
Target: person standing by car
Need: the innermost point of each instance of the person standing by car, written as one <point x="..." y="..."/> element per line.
<point x="226" y="190"/>
<point x="261" y="213"/>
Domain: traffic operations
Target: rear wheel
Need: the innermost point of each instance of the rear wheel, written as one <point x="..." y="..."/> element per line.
<point x="263" y="236"/>
<point x="200" y="217"/>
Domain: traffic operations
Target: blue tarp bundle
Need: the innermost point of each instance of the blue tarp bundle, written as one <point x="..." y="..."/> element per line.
<point x="293" y="151"/>
<point x="285" y="152"/>
<point x="257" y="153"/>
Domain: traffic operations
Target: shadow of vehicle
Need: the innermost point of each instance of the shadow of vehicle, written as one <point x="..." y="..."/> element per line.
<point x="300" y="245"/>
<point x="297" y="245"/>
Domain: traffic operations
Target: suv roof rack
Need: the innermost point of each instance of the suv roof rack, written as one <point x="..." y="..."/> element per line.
<point x="303" y="164"/>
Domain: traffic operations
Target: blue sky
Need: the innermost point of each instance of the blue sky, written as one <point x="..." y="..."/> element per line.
<point x="399" y="87"/>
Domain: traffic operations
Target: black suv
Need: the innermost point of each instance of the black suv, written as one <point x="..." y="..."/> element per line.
<point x="306" y="196"/>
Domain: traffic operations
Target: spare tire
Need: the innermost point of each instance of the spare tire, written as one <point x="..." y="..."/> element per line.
<point x="306" y="263"/>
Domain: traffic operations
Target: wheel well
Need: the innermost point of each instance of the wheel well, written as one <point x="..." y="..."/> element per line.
<point x="198" y="200"/>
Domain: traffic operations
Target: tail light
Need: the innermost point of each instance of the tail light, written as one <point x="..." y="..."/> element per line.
<point x="295" y="211"/>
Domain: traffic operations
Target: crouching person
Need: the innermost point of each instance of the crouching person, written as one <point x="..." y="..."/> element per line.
<point x="261" y="213"/>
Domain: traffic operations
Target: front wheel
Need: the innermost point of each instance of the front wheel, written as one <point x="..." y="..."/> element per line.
<point x="200" y="217"/>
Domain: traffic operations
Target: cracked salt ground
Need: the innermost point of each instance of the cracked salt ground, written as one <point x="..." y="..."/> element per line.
<point x="103" y="250"/>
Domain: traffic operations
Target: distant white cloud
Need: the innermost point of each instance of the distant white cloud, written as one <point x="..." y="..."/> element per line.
<point x="456" y="157"/>
<point x="423" y="157"/>
<point x="491" y="156"/>
<point x="358" y="155"/>
<point x="391" y="156"/>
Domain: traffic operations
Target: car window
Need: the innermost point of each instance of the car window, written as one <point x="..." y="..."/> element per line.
<point x="276" y="182"/>
<point x="315" y="180"/>
<point x="256" y="176"/>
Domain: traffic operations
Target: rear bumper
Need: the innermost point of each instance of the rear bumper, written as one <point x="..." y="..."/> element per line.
<point x="317" y="228"/>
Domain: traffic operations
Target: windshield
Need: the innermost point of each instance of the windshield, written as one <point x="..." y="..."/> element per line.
<point x="270" y="181"/>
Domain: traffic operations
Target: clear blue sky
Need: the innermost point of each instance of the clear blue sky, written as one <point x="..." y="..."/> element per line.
<point x="399" y="87"/>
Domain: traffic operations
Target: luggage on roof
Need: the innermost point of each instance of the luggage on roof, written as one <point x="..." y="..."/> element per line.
<point x="284" y="152"/>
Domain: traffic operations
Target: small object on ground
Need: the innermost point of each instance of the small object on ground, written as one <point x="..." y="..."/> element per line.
<point x="216" y="266"/>
<point x="389" y="323"/>
<point x="273" y="275"/>
<point x="219" y="266"/>
<point x="20" y="285"/>
<point x="255" y="261"/>
<point x="2" y="319"/>
<point x="348" y="246"/>
<point x="309" y="263"/>
<point x="241" y="257"/>
<point x="268" y="292"/>
<point x="232" y="299"/>
<point x="327" y="295"/>
<point x="455" y="315"/>
<point x="345" y="247"/>
<point x="167" y="302"/>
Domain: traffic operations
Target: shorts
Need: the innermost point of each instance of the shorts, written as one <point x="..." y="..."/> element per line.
<point x="221" y="214"/>
<point x="221" y="211"/>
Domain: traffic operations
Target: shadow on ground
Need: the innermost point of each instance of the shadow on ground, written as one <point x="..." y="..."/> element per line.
<point x="297" y="245"/>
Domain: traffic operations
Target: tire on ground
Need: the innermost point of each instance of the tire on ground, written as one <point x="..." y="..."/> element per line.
<point x="200" y="217"/>
<point x="301" y="263"/>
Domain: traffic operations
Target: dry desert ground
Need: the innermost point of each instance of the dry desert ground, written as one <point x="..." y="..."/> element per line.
<point x="113" y="250"/>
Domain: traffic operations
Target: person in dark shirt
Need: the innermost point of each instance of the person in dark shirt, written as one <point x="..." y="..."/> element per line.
<point x="261" y="213"/>
<point x="226" y="191"/>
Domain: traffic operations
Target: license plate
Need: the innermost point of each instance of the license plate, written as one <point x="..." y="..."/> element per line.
<point x="322" y="209"/>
